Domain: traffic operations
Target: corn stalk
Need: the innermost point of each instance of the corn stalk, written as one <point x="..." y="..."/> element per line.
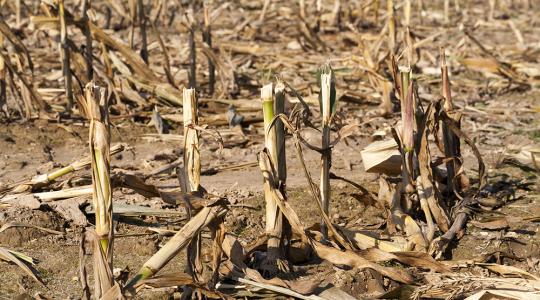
<point x="326" y="87"/>
<point x="391" y="25"/>
<point x="142" y="26"/>
<point x="192" y="55"/>
<point x="407" y="131"/>
<point x="192" y="165"/>
<point x="281" y="167"/>
<point x="179" y="241"/>
<point x="407" y="13"/>
<point x="207" y="38"/>
<point x="279" y="108"/>
<point x="99" y="143"/>
<point x="274" y="217"/>
<point x="192" y="161"/>
<point x="43" y="180"/>
<point x="87" y="6"/>
<point x="66" y="69"/>
<point x="455" y="179"/>
<point x="3" y="85"/>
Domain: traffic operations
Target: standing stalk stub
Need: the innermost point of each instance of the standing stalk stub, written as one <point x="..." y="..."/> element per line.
<point x="273" y="263"/>
<point x="142" y="26"/>
<point x="192" y="162"/>
<point x="207" y="38"/>
<point x="448" y="106"/>
<point x="100" y="159"/>
<point x="64" y="47"/>
<point x="99" y="145"/>
<point x="327" y="101"/>
<point x="407" y="131"/>
<point x="451" y="142"/>
<point x="267" y="99"/>
<point x="391" y="25"/>
<point x="192" y="165"/>
<point x="279" y="108"/>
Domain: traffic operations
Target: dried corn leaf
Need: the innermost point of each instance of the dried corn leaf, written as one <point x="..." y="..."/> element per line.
<point x="234" y="250"/>
<point x="417" y="259"/>
<point x="508" y="271"/>
<point x="175" y="280"/>
<point x="528" y="155"/>
<point x="382" y="157"/>
<point x="333" y="255"/>
<point x="488" y="65"/>
<point x="19" y="45"/>
<point x="17" y="224"/>
<point x="103" y="277"/>
<point x="21" y="260"/>
<point x="180" y="240"/>
<point x="503" y="294"/>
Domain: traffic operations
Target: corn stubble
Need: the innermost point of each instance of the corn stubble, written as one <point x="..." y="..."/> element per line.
<point x="421" y="188"/>
<point x="419" y="197"/>
<point x="192" y="167"/>
<point x="270" y="163"/>
<point x="99" y="144"/>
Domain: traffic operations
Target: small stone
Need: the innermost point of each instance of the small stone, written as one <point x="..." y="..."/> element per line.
<point x="294" y="45"/>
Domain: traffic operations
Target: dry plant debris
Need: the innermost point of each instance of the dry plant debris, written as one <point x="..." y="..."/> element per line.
<point x="417" y="118"/>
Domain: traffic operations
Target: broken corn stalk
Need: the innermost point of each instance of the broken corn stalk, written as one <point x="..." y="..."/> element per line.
<point x="407" y="133"/>
<point x="274" y="218"/>
<point x="327" y="101"/>
<point x="192" y="165"/>
<point x="100" y="161"/>
<point x="192" y="156"/>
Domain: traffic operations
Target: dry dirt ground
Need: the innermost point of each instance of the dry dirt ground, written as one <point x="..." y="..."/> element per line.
<point x="497" y="119"/>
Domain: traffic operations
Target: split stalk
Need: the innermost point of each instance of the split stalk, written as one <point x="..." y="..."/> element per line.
<point x="274" y="218"/>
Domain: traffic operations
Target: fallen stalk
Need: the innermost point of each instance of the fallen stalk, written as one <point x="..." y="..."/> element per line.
<point x="179" y="241"/>
<point x="277" y="289"/>
<point x="44" y="180"/>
